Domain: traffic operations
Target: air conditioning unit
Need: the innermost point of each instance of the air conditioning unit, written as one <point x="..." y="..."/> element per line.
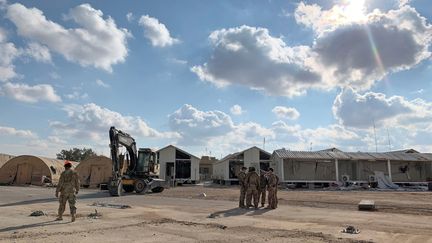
<point x="372" y="178"/>
<point x="345" y="178"/>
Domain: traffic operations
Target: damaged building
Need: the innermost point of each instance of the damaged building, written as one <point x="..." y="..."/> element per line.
<point x="177" y="165"/>
<point x="225" y="171"/>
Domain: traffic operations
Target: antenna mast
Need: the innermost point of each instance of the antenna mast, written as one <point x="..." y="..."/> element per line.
<point x="388" y="137"/>
<point x="376" y="144"/>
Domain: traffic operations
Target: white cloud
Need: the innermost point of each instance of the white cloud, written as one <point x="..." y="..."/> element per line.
<point x="177" y="61"/>
<point x="10" y="131"/>
<point x="3" y="35"/>
<point x="343" y="13"/>
<point x="30" y="94"/>
<point x="252" y="57"/>
<point x="130" y="17"/>
<point x="77" y="95"/>
<point x="197" y="126"/>
<point x="97" y="43"/>
<point x="351" y="48"/>
<point x="359" y="52"/>
<point x="156" y="32"/>
<point x="38" y="52"/>
<point x="8" y="53"/>
<point x="91" y="121"/>
<point x="404" y="2"/>
<point x="286" y="112"/>
<point x="361" y="111"/>
<point x="236" y="110"/>
<point x="102" y="83"/>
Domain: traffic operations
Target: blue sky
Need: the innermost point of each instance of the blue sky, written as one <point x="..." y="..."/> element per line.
<point x="216" y="76"/>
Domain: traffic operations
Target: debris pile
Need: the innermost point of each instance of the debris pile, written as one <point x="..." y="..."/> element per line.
<point x="110" y="205"/>
<point x="37" y="213"/>
<point x="94" y="215"/>
<point x="351" y="230"/>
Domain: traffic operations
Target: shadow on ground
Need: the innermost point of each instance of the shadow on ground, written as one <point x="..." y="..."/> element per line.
<point x="94" y="195"/>
<point x="238" y="211"/>
<point x="27" y="226"/>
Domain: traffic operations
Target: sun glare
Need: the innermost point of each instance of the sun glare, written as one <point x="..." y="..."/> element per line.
<point x="354" y="10"/>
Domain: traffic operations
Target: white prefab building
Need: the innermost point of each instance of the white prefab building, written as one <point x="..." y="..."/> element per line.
<point x="326" y="166"/>
<point x="177" y="165"/>
<point x="225" y="171"/>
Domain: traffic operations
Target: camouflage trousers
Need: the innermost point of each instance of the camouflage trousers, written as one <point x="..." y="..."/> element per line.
<point x="67" y="197"/>
<point x="252" y="193"/>
<point x="272" y="197"/>
<point x="242" y="196"/>
<point x="262" y="195"/>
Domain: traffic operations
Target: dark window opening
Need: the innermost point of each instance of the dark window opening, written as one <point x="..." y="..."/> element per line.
<point x="183" y="169"/>
<point x="182" y="155"/>
<point x="264" y="156"/>
<point x="54" y="171"/>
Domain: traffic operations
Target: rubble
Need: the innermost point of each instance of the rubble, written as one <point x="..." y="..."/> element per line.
<point x="95" y="215"/>
<point x="110" y="205"/>
<point x="351" y="230"/>
<point x="37" y="213"/>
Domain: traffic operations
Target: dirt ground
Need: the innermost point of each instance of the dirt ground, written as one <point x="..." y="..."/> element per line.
<point x="183" y="214"/>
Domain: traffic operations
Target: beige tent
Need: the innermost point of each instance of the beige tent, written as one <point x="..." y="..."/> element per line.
<point x="28" y="169"/>
<point x="4" y="158"/>
<point x="94" y="171"/>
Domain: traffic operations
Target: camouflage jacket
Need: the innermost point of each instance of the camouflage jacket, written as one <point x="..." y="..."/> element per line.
<point x="69" y="181"/>
<point x="263" y="181"/>
<point x="242" y="178"/>
<point x="253" y="180"/>
<point x="273" y="180"/>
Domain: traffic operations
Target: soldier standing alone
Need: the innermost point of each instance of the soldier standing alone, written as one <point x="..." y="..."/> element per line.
<point x="242" y="181"/>
<point x="273" y="181"/>
<point x="253" y="186"/>
<point x="68" y="186"/>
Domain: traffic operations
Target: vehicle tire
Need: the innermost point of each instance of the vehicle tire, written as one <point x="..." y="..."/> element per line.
<point x="128" y="188"/>
<point x="140" y="186"/>
<point x="115" y="188"/>
<point x="158" y="189"/>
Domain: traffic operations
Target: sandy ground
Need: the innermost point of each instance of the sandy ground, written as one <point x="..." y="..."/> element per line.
<point x="181" y="214"/>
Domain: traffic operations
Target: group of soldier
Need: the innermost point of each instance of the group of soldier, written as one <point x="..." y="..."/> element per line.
<point x="254" y="187"/>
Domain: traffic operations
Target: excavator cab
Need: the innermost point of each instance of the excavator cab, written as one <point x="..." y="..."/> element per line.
<point x="146" y="161"/>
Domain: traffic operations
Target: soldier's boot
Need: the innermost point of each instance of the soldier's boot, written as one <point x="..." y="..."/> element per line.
<point x="59" y="218"/>
<point x="73" y="218"/>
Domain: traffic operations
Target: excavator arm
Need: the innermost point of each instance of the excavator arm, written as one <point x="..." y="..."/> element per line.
<point x="117" y="139"/>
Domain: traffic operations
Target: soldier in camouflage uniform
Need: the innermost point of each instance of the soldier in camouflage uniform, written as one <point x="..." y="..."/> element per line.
<point x="263" y="187"/>
<point x="68" y="186"/>
<point x="273" y="181"/>
<point x="242" y="181"/>
<point x="253" y="186"/>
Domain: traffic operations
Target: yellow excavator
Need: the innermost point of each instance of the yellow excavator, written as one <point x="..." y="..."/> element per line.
<point x="137" y="172"/>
